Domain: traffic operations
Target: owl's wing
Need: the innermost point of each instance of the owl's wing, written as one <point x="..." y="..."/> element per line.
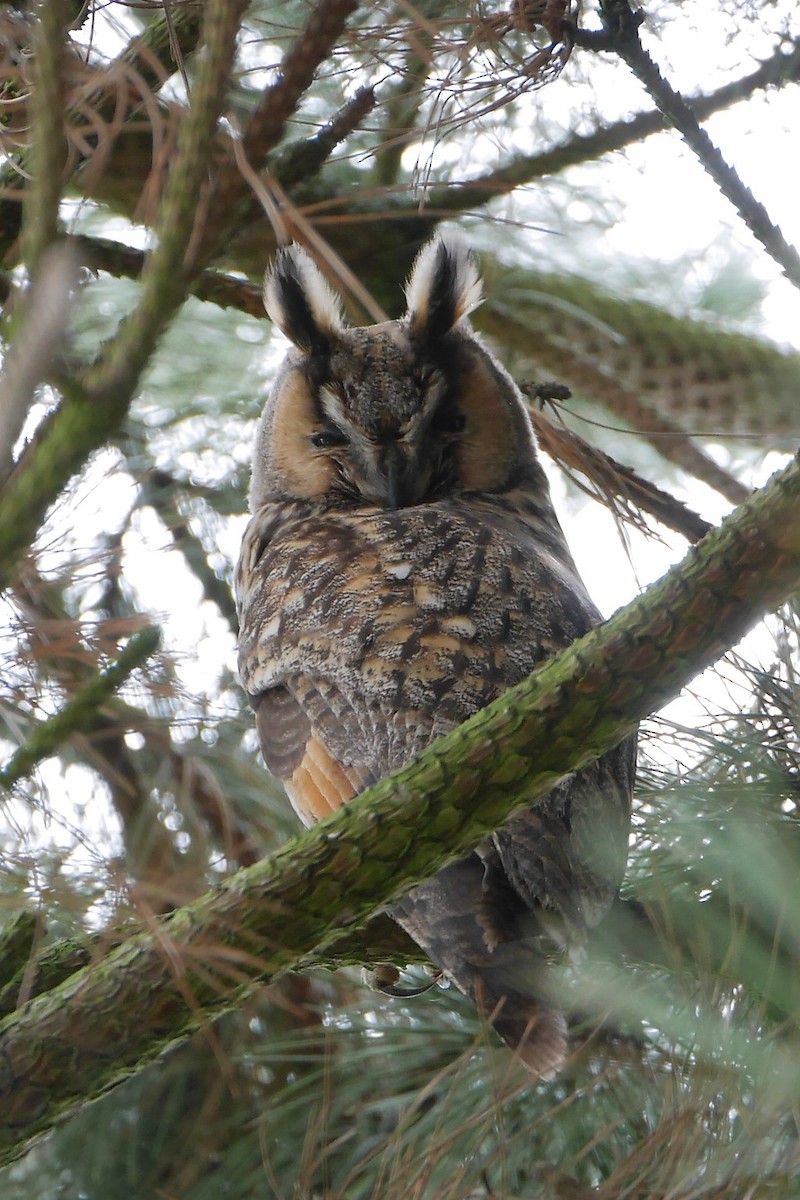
<point x="326" y="722"/>
<point x="297" y="753"/>
<point x="566" y="857"/>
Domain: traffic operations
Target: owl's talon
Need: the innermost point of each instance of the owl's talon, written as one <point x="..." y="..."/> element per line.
<point x="383" y="979"/>
<point x="380" y="977"/>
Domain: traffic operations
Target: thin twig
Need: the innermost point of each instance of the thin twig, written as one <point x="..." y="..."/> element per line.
<point x="617" y="485"/>
<point x="679" y="447"/>
<point x="79" y="713"/>
<point x="621" y="27"/>
<point x="277" y="103"/>
<point x="40" y="325"/>
<point x="776" y="71"/>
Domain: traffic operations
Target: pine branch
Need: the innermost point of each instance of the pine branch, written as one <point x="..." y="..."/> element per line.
<point x="69" y="1045"/>
<point x="149" y="56"/>
<point x="48" y="141"/>
<point x="780" y="69"/>
<point x="621" y="30"/>
<point x="79" y="713"/>
<point x="266" y="125"/>
<point x="619" y="487"/>
<point x="95" y="407"/>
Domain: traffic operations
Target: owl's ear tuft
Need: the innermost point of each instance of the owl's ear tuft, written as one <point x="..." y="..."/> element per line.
<point x="444" y="286"/>
<point x="297" y="298"/>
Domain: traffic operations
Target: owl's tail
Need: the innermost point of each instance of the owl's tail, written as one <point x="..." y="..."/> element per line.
<point x="538" y="1037"/>
<point x="480" y="947"/>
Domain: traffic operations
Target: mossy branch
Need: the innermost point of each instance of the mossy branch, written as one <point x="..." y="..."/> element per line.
<point x="69" y="1045"/>
<point x="166" y="275"/>
<point x="93" y="408"/>
<point x="23" y="966"/>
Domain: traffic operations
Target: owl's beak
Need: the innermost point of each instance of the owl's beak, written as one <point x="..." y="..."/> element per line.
<point x="392" y="472"/>
<point x="397" y="477"/>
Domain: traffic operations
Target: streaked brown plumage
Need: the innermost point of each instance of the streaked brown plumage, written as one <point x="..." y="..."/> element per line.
<point x="403" y="566"/>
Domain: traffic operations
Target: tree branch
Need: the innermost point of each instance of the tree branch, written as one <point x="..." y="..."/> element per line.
<point x="621" y="27"/>
<point x="27" y="971"/>
<point x="79" y="713"/>
<point x="69" y="1045"/>
<point x="166" y="273"/>
<point x="617" y="486"/>
<point x="48" y="149"/>
<point x="93" y="409"/>
<point x="781" y="68"/>
<point x="277" y="103"/>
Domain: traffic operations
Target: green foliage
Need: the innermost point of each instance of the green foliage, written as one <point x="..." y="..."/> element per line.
<point x="683" y="1079"/>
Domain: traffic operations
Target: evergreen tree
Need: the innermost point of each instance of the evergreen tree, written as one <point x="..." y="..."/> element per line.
<point x="154" y="156"/>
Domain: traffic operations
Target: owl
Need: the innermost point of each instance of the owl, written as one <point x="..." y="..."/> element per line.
<point x="404" y="565"/>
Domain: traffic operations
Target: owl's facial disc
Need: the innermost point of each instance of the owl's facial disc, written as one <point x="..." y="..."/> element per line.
<point x="390" y="446"/>
<point x="393" y="415"/>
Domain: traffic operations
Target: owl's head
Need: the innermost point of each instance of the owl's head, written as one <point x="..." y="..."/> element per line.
<point x="389" y="415"/>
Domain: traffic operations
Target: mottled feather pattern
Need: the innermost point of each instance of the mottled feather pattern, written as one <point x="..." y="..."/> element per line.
<point x="403" y="567"/>
<point x="434" y="609"/>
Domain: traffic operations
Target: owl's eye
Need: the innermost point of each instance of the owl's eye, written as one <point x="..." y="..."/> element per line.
<point x="450" y="421"/>
<point x="324" y="439"/>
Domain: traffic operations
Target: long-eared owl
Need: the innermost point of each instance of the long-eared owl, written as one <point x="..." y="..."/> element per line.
<point x="402" y="567"/>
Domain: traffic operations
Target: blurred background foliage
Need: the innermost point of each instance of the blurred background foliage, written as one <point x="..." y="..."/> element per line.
<point x="612" y="266"/>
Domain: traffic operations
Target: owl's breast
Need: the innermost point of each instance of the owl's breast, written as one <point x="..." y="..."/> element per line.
<point x="435" y="608"/>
